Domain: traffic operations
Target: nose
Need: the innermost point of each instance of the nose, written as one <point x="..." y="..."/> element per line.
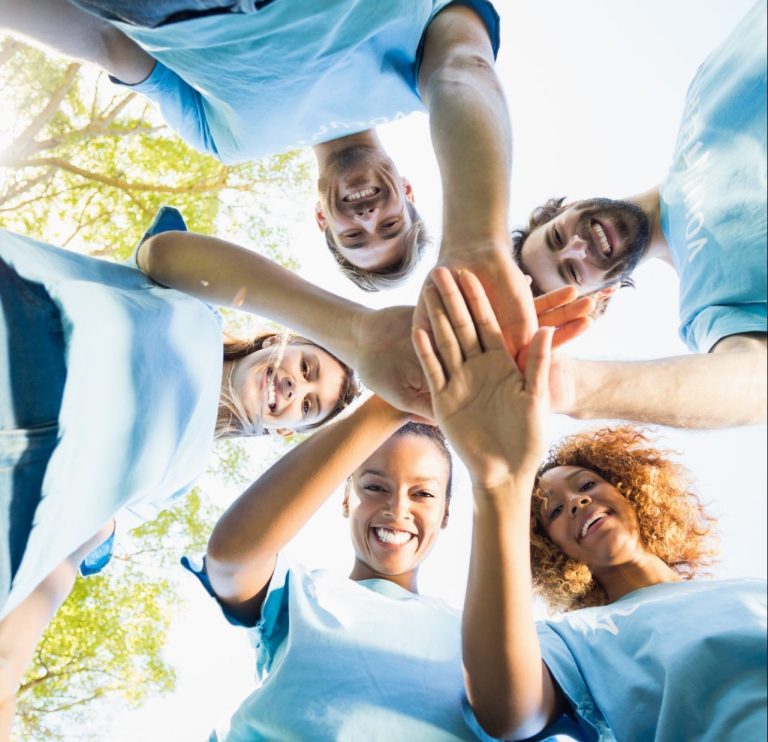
<point x="399" y="505"/>
<point x="367" y="217"/>
<point x="576" y="248"/>
<point x="287" y="387"/>
<point x="578" y="502"/>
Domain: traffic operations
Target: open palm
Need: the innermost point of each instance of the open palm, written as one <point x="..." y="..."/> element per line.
<point x="491" y="413"/>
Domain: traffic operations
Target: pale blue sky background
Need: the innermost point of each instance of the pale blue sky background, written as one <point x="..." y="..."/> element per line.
<point x="595" y="90"/>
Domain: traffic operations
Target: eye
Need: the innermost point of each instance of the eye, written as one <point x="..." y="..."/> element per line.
<point x="376" y="488"/>
<point x="555" y="512"/>
<point x="390" y="224"/>
<point x="586" y="486"/>
<point x="558" y="237"/>
<point x="305" y="368"/>
<point x="352" y="235"/>
<point x="572" y="273"/>
<point x="423" y="493"/>
<point x="306" y="406"/>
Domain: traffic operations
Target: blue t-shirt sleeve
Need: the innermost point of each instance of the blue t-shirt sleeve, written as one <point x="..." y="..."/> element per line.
<point x="271" y="629"/>
<point x="483" y="8"/>
<point x="719" y="321"/>
<point x="99" y="557"/>
<point x="167" y="219"/>
<point x="180" y="105"/>
<point x="566" y="673"/>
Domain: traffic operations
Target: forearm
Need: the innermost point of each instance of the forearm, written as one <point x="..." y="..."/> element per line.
<point x="220" y="272"/>
<point x="271" y="512"/>
<point x="713" y="390"/>
<point x="502" y="660"/>
<point x="65" y="28"/>
<point x="470" y="130"/>
<point x="22" y="628"/>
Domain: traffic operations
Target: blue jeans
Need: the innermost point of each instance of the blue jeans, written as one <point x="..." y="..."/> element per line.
<point x="32" y="374"/>
<point x="153" y="13"/>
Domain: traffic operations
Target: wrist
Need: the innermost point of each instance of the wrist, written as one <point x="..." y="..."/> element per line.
<point x="501" y="486"/>
<point x="355" y="321"/>
<point x="459" y="244"/>
<point x="386" y="412"/>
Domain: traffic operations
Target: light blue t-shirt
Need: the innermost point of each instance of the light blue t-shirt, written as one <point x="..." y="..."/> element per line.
<point x="294" y="73"/>
<point x="343" y="660"/>
<point x="713" y="201"/>
<point x="137" y="419"/>
<point x="671" y="662"/>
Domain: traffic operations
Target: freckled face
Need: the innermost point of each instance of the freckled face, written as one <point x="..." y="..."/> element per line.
<point x="588" y="518"/>
<point x="397" y="506"/>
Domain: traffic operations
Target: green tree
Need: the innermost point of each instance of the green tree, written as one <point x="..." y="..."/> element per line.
<point x="105" y="645"/>
<point x="84" y="161"/>
<point x="85" y="165"/>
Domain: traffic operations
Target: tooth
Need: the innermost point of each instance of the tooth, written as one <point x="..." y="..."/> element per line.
<point x="392" y="537"/>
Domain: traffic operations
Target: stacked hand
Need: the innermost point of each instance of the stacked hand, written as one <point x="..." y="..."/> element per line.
<point x="387" y="363"/>
<point x="490" y="411"/>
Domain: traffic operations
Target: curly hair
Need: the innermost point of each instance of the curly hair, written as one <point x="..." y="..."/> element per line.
<point x="674" y="525"/>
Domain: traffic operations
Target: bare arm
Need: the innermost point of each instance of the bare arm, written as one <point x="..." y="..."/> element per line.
<point x="493" y="416"/>
<point x="376" y="344"/>
<point x="723" y="388"/>
<point x="22" y="628"/>
<point x="472" y="138"/>
<point x="65" y="28"/>
<point x="245" y="542"/>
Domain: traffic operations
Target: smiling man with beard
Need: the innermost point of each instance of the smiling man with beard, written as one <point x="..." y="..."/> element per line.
<point x="708" y="221"/>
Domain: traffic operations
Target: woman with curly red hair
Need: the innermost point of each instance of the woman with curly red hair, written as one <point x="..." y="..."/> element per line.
<point x="612" y="534"/>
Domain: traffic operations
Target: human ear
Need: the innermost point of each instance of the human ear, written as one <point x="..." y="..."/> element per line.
<point x="322" y="222"/>
<point x="270" y="341"/>
<point x="408" y="190"/>
<point x="345" y="501"/>
<point x="606" y="293"/>
<point x="446" y="513"/>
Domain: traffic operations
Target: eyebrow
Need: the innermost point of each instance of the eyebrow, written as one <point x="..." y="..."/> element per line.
<point x="416" y="480"/>
<point x="392" y="236"/>
<point x="580" y="470"/>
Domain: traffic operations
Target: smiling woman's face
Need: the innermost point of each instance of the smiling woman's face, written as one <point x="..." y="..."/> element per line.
<point x="288" y="391"/>
<point x="396" y="501"/>
<point x="588" y="518"/>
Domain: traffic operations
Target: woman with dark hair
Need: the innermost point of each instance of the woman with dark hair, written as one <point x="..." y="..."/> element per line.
<point x="612" y="535"/>
<point x="358" y="657"/>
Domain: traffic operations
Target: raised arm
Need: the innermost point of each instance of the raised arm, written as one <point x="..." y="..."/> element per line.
<point x="720" y="389"/>
<point x="61" y="26"/>
<point x="472" y="138"/>
<point x="376" y="344"/>
<point x="22" y="628"/>
<point x="245" y="542"/>
<point x="493" y="417"/>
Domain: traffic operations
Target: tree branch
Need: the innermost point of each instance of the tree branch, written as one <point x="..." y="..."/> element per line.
<point x="25" y="139"/>
<point x="212" y="186"/>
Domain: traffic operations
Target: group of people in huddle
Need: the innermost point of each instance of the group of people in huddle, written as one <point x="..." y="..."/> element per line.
<point x="116" y="379"/>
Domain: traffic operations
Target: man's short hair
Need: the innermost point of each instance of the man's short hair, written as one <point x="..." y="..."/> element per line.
<point x="415" y="240"/>
<point x="542" y="214"/>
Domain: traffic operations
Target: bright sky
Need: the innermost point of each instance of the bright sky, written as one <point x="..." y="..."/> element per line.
<point x="595" y="91"/>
